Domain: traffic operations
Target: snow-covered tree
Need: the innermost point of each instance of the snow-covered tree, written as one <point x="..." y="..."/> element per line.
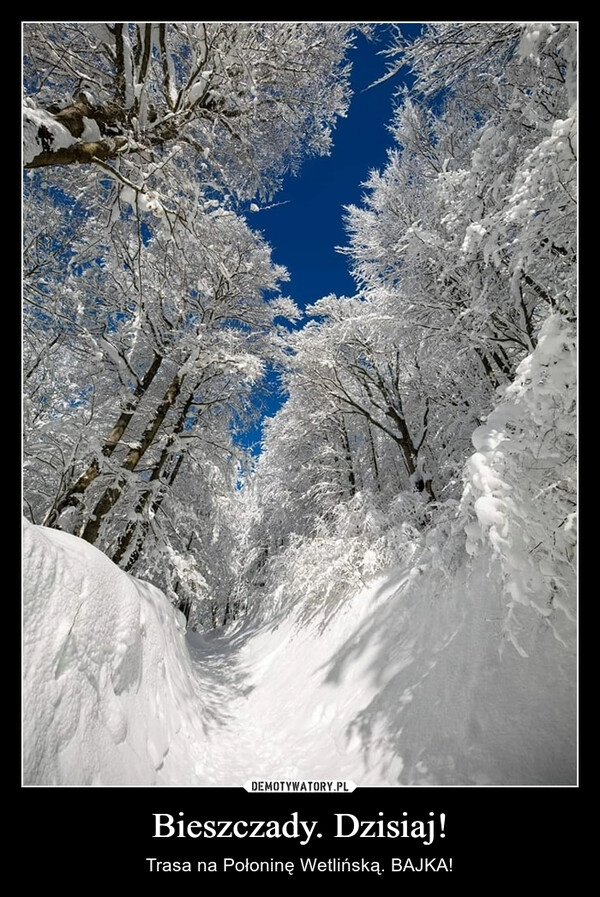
<point x="471" y="228"/>
<point x="149" y="302"/>
<point x="187" y="341"/>
<point x="238" y="103"/>
<point x="464" y="253"/>
<point x="427" y="442"/>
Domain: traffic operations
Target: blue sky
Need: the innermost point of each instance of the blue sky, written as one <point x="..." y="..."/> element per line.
<point x="308" y="224"/>
<point x="305" y="222"/>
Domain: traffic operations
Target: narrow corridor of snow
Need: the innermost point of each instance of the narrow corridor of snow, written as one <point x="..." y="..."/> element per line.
<point x="404" y="685"/>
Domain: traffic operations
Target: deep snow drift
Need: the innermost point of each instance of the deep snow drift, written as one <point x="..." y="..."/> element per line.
<point x="109" y="693"/>
<point x="405" y="684"/>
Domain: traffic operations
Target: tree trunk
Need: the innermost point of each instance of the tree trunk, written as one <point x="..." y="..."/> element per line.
<point x="373" y="457"/>
<point x="410" y="453"/>
<point x="347" y="455"/>
<point x="77" y="489"/>
<point x="111" y="495"/>
<point x="138" y="527"/>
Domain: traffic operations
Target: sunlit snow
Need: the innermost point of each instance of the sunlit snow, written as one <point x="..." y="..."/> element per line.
<point x="405" y="684"/>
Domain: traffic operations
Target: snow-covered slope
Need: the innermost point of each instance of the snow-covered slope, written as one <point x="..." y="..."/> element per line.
<point x="109" y="693"/>
<point x="404" y="684"/>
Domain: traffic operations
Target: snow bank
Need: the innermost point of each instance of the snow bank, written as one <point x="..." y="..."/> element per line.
<point x="109" y="693"/>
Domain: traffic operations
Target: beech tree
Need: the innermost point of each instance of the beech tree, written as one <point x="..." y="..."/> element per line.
<point x="237" y="103"/>
<point x="464" y="255"/>
<point x="190" y="338"/>
<point x="150" y="305"/>
<point x="470" y="230"/>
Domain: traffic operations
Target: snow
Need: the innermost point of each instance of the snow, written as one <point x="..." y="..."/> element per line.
<point x="56" y="133"/>
<point x="534" y="34"/>
<point x="198" y="88"/>
<point x="404" y="684"/>
<point x="142" y="200"/>
<point x="455" y="667"/>
<point x="108" y="688"/>
<point x="91" y="131"/>
<point x="521" y="483"/>
<point x="474" y="235"/>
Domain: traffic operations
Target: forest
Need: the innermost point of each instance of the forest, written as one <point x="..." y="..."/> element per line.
<point x="428" y="418"/>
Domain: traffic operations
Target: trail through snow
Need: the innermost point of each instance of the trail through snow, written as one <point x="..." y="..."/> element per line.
<point x="403" y="685"/>
<point x="290" y="718"/>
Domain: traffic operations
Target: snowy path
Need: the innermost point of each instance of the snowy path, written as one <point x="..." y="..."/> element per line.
<point x="289" y="718"/>
<point x="401" y="687"/>
<point x="402" y="683"/>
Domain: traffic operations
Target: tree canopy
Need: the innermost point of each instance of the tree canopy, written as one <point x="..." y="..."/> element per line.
<point x="151" y="307"/>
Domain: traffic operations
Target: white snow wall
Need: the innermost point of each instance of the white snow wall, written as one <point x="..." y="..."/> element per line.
<point x="109" y="694"/>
